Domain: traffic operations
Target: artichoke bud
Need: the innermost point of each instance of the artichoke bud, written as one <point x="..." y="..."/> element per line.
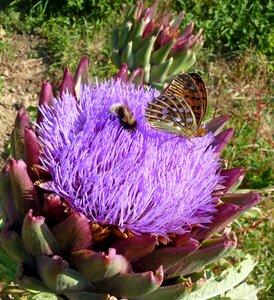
<point x="222" y="139"/>
<point x="215" y="248"/>
<point x="198" y="275"/>
<point x="3" y="213"/>
<point x="158" y="72"/>
<point x="142" y="56"/>
<point x="53" y="208"/>
<point x="159" y="56"/>
<point x="155" y="37"/>
<point x="187" y="31"/>
<point x="82" y="229"/>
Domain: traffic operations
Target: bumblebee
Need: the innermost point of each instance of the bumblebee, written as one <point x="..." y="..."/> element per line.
<point x="124" y="115"/>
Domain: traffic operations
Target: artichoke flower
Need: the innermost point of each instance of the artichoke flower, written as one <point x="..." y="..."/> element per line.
<point x="152" y="40"/>
<point x="94" y="211"/>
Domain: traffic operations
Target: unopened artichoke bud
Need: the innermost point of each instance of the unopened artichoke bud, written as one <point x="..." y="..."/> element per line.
<point x="152" y="37"/>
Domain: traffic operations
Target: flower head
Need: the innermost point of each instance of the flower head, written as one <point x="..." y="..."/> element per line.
<point x="145" y="181"/>
<point x="133" y="177"/>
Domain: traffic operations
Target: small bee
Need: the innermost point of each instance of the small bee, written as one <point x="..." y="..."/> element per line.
<point x="124" y="115"/>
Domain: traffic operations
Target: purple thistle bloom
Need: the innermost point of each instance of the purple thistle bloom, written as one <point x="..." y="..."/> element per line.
<point x="144" y="181"/>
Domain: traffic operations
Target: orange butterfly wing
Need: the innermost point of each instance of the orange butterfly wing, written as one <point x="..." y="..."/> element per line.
<point x="181" y="106"/>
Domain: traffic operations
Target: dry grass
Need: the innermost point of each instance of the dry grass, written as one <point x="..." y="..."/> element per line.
<point x="242" y="88"/>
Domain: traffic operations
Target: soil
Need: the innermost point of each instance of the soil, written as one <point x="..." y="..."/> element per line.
<point x="22" y="70"/>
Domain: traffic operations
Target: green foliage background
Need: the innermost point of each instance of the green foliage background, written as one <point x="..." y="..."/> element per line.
<point x="228" y="25"/>
<point x="233" y="25"/>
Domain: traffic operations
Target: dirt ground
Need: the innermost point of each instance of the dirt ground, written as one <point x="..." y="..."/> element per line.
<point x="21" y="75"/>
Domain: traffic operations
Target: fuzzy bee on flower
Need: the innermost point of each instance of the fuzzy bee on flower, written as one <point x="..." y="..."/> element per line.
<point x="124" y="115"/>
<point x="180" y="108"/>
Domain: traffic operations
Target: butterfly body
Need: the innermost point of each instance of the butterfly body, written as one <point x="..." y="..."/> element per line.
<point x="180" y="108"/>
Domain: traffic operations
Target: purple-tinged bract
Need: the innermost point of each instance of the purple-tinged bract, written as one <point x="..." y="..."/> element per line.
<point x="144" y="181"/>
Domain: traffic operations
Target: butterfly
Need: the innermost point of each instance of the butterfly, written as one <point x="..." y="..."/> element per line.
<point x="180" y="108"/>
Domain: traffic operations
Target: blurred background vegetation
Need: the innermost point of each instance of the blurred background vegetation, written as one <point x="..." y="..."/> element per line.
<point x="236" y="63"/>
